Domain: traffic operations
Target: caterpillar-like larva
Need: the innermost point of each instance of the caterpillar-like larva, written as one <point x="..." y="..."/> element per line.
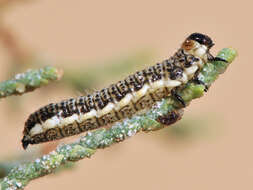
<point x="120" y="100"/>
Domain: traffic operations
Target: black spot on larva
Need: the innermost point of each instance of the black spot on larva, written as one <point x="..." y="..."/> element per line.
<point x="169" y="65"/>
<point x="177" y="73"/>
<point x="31" y="122"/>
<point x="190" y="60"/>
<point x="83" y="109"/>
<point x="158" y="71"/>
<point x="116" y="93"/>
<point x="98" y="101"/>
<point x="43" y="116"/>
<point x="154" y="78"/>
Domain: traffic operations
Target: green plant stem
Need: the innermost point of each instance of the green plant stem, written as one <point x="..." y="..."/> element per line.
<point x="29" y="81"/>
<point x="20" y="176"/>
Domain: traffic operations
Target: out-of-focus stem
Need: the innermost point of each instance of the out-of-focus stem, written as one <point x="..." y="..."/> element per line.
<point x="29" y="81"/>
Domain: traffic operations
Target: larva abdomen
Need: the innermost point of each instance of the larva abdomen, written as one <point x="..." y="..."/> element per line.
<point x="74" y="116"/>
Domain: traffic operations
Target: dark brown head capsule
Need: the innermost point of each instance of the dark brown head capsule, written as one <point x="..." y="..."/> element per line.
<point x="190" y="42"/>
<point x="202" y="39"/>
<point x="198" y="45"/>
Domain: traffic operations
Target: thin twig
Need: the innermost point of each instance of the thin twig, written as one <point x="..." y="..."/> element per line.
<point x="29" y="81"/>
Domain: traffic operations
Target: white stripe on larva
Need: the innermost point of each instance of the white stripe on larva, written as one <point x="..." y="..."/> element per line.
<point x="140" y="93"/>
<point x="36" y="130"/>
<point x="88" y="115"/>
<point x="200" y="63"/>
<point x="125" y="101"/>
<point x="184" y="78"/>
<point x="68" y="120"/>
<point x="201" y="51"/>
<point x="172" y="83"/>
<point x="157" y="84"/>
<point x="108" y="108"/>
<point x="191" y="70"/>
<point x="51" y="123"/>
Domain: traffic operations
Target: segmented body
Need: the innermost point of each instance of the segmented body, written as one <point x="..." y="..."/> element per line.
<point x="120" y="100"/>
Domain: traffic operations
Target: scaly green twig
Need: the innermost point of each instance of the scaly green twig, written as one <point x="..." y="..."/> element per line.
<point x="20" y="176"/>
<point x="29" y="81"/>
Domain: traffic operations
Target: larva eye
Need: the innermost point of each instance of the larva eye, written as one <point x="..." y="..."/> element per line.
<point x="188" y="44"/>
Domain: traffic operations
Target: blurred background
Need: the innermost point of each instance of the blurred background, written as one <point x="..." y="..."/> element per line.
<point x="99" y="42"/>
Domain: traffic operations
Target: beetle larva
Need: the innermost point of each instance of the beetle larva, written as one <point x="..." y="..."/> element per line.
<point x="122" y="99"/>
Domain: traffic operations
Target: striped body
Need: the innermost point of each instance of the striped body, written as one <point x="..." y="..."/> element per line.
<point x="120" y="100"/>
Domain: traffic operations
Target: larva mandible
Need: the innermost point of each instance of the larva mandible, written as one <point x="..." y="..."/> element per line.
<point x="122" y="99"/>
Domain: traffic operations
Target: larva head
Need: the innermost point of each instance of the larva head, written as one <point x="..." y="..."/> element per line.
<point x="198" y="45"/>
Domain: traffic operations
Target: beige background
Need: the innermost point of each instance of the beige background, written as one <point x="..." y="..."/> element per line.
<point x="96" y="30"/>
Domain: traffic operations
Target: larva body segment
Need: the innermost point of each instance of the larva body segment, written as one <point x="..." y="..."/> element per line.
<point x="120" y="100"/>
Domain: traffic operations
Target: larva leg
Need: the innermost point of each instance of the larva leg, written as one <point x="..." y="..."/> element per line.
<point x="170" y="117"/>
<point x="211" y="58"/>
<point x="178" y="97"/>
<point x="219" y="59"/>
<point x="197" y="81"/>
